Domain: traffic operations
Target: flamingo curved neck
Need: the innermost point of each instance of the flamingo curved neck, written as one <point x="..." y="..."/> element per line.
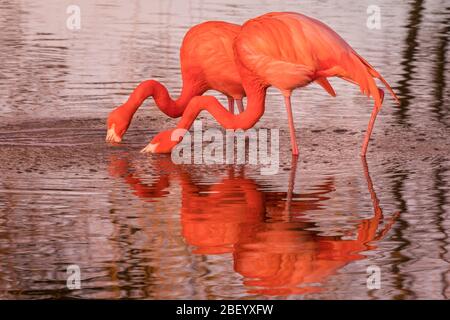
<point x="255" y="109"/>
<point x="172" y="108"/>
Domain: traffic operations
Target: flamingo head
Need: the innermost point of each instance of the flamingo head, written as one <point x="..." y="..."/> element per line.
<point x="117" y="125"/>
<point x="165" y="141"/>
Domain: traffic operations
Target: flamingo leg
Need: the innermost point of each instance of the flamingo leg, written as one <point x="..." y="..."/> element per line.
<point x="287" y="100"/>
<point x="373" y="117"/>
<point x="369" y="131"/>
<point x="231" y="105"/>
<point x="240" y="105"/>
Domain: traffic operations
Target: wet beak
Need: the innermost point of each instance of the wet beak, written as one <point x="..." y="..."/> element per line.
<point x="111" y="135"/>
<point x="151" y="147"/>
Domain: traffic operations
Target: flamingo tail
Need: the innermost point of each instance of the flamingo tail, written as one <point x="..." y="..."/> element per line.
<point x="374" y="73"/>
<point x="353" y="68"/>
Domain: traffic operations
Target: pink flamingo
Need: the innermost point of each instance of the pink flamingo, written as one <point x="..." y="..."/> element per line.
<point x="207" y="63"/>
<point x="285" y="50"/>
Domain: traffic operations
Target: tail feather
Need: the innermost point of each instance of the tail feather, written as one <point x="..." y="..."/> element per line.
<point x="374" y="73"/>
<point x="353" y="68"/>
<point x="356" y="70"/>
<point x="323" y="82"/>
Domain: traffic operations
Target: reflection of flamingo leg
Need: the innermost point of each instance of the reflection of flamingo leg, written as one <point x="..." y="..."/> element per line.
<point x="369" y="227"/>
<point x="375" y="202"/>
<point x="294" y="146"/>
<point x="291" y="183"/>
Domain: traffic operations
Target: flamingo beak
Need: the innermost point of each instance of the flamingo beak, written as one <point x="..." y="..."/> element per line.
<point x="111" y="135"/>
<point x="151" y="147"/>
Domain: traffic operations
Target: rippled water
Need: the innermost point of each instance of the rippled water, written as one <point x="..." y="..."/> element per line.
<point x="141" y="227"/>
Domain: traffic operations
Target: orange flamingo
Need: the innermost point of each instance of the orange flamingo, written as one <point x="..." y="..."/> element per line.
<point x="207" y="63"/>
<point x="285" y="50"/>
<point x="269" y="236"/>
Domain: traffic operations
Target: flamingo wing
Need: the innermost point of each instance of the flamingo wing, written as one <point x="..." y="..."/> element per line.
<point x="289" y="50"/>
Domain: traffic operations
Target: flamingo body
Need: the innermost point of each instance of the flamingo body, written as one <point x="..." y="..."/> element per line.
<point x="289" y="50"/>
<point x="285" y="50"/>
<point x="207" y="58"/>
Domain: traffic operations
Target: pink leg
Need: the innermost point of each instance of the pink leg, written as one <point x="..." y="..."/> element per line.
<point x="369" y="131"/>
<point x="240" y="105"/>
<point x="373" y="117"/>
<point x="294" y="146"/>
<point x="231" y="105"/>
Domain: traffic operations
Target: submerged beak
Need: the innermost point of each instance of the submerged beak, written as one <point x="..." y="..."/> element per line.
<point x="151" y="147"/>
<point x="111" y="135"/>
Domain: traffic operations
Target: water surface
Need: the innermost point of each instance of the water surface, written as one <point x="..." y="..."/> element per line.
<point x="140" y="226"/>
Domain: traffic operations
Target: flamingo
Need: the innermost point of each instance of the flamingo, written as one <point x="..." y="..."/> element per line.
<point x="286" y="50"/>
<point x="207" y="62"/>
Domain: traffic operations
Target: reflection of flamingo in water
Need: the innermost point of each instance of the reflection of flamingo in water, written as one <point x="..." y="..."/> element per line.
<point x="277" y="255"/>
<point x="277" y="258"/>
<point x="285" y="50"/>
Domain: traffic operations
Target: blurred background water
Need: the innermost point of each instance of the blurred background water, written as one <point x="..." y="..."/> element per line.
<point x="141" y="227"/>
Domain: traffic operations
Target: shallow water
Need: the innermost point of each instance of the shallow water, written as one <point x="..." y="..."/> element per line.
<point x="140" y="226"/>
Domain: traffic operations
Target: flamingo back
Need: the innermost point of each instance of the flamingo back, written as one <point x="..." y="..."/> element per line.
<point x="289" y="50"/>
